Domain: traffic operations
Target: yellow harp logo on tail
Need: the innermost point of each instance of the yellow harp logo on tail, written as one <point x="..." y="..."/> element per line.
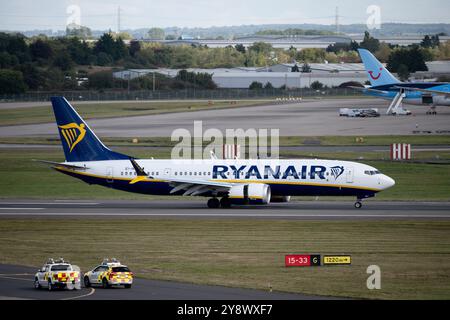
<point x="73" y="134"/>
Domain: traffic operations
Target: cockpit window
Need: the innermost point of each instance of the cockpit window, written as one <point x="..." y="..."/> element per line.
<point x="372" y="172"/>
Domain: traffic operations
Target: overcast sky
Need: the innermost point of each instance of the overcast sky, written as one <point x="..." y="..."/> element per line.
<point x="102" y="14"/>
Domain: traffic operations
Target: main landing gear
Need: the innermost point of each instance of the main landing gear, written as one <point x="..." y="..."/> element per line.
<point x="432" y="111"/>
<point x="358" y="204"/>
<point x="215" y="203"/>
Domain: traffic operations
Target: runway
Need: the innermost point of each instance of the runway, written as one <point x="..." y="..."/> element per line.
<point x="302" y="148"/>
<point x="196" y="209"/>
<point x="16" y="283"/>
<point x="307" y="118"/>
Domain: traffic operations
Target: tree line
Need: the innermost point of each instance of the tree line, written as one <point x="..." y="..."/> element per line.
<point x="63" y="63"/>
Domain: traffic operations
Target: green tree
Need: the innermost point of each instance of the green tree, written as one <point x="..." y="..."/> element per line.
<point x="11" y="82"/>
<point x="240" y="48"/>
<point x="15" y="45"/>
<point x="41" y="49"/>
<point x="135" y="46"/>
<point x="156" y="33"/>
<point x="106" y="44"/>
<point x="120" y="49"/>
<point x="370" y="43"/>
<point x="8" y="60"/>
<point x="101" y="80"/>
<point x="255" y="85"/>
<point x="104" y="59"/>
<point x="426" y="42"/>
<point x="435" y="41"/>
<point x="63" y="60"/>
<point x="403" y="72"/>
<point x="316" y="85"/>
<point x="82" y="32"/>
<point x="79" y="51"/>
<point x="171" y="37"/>
<point x="261" y="47"/>
<point x="268" y="86"/>
<point x="412" y="58"/>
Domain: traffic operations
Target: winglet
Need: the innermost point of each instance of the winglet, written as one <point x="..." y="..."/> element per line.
<point x="141" y="175"/>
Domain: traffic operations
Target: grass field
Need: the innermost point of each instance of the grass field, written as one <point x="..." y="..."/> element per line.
<point x="23" y="178"/>
<point x="107" y="110"/>
<point x="414" y="257"/>
<point x="283" y="142"/>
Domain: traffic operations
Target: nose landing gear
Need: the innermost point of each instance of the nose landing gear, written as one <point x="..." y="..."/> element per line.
<point x="358" y="204"/>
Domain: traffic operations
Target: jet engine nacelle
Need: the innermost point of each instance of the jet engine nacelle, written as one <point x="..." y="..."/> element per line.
<point x="280" y="199"/>
<point x="254" y="193"/>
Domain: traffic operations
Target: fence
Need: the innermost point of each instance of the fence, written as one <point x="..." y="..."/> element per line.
<point x="220" y="94"/>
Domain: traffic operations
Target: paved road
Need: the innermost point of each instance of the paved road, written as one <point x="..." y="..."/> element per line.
<point x="20" y="105"/>
<point x="306" y="148"/>
<point x="16" y="282"/>
<point x="196" y="209"/>
<point x="309" y="118"/>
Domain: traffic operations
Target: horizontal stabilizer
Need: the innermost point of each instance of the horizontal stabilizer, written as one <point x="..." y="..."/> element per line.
<point x="369" y="89"/>
<point x="57" y="164"/>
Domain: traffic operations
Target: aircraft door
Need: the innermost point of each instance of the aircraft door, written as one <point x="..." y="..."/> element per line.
<point x="167" y="172"/>
<point x="350" y="175"/>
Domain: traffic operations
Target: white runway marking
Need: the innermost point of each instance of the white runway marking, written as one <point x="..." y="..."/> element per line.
<point x="21" y="208"/>
<point x="242" y="215"/>
<point x="79" y="297"/>
<point x="58" y="202"/>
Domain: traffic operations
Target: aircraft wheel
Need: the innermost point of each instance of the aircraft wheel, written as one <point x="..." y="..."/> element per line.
<point x="225" y="203"/>
<point x="358" y="204"/>
<point x="213" y="203"/>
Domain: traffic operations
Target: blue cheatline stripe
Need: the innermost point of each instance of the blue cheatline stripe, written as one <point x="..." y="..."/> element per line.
<point x="161" y="187"/>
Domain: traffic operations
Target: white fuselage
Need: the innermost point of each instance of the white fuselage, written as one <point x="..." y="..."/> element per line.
<point x="286" y="177"/>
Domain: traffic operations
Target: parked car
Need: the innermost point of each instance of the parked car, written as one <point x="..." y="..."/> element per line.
<point x="109" y="273"/>
<point x="58" y="274"/>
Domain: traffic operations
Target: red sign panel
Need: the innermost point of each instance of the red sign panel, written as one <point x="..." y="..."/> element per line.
<point x="297" y="260"/>
<point x="302" y="260"/>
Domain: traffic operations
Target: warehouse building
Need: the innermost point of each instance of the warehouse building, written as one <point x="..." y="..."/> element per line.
<point x="329" y="74"/>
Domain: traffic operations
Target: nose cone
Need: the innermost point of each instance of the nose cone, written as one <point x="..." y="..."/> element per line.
<point x="387" y="182"/>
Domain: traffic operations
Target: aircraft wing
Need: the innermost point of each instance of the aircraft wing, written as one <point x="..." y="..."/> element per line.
<point x="368" y="89"/>
<point x="197" y="187"/>
<point x="64" y="165"/>
<point x="192" y="187"/>
<point x="444" y="93"/>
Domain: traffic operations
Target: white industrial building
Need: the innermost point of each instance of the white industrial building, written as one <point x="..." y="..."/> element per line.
<point x="330" y="74"/>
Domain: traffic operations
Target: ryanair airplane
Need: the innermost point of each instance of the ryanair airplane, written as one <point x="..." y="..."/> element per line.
<point x="224" y="182"/>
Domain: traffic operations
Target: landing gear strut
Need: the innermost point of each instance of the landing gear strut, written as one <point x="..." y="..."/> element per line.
<point x="358" y="204"/>
<point x="213" y="203"/>
<point x="432" y="111"/>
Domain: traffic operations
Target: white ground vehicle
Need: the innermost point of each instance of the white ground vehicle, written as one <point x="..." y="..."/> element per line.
<point x="353" y="113"/>
<point x="109" y="273"/>
<point x="58" y="274"/>
<point x="401" y="112"/>
<point x="346" y="112"/>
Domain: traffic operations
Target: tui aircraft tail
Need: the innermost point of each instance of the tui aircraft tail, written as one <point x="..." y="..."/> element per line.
<point x="79" y="142"/>
<point x="377" y="73"/>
